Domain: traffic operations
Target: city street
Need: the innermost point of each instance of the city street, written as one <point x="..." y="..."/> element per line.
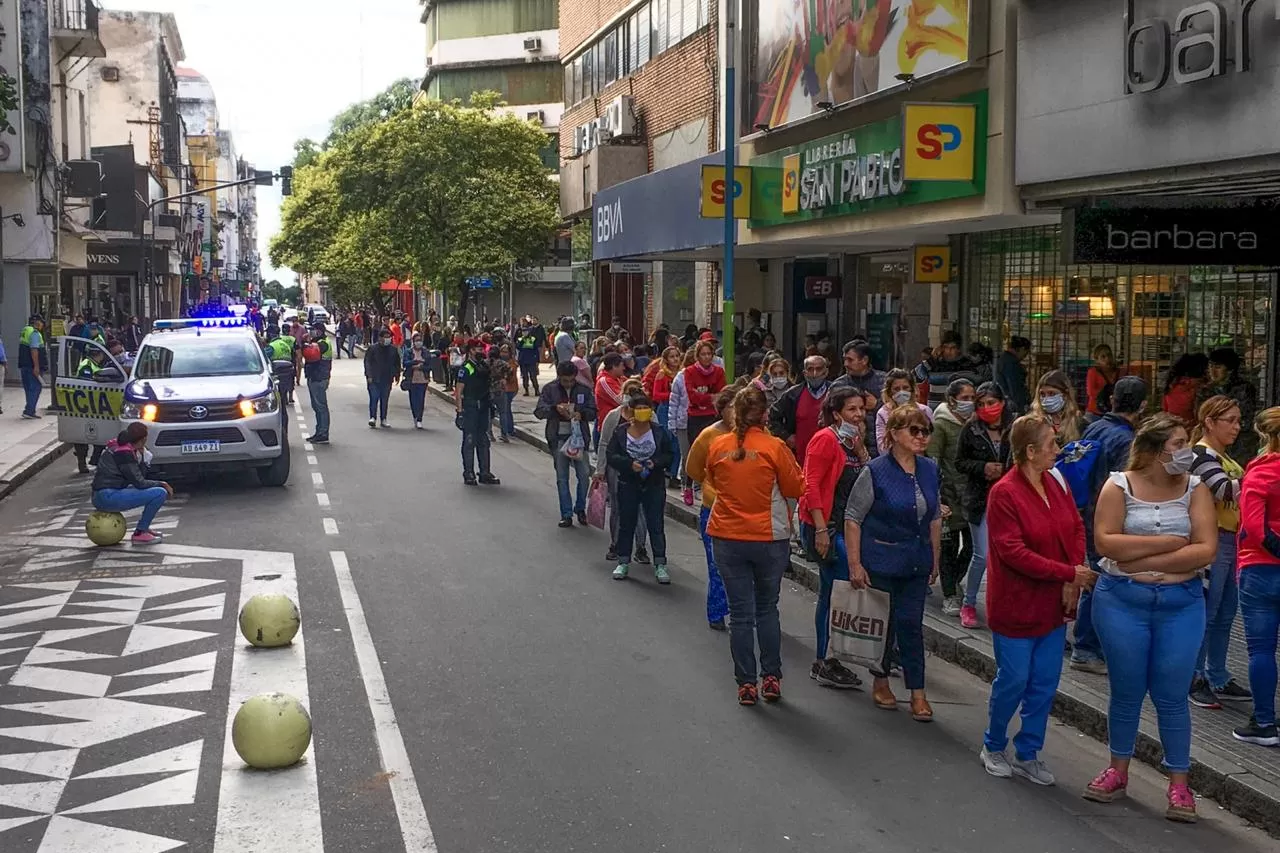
<point x="477" y="683"/>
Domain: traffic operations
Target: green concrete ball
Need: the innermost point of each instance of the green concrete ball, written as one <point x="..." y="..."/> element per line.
<point x="270" y="620"/>
<point x="271" y="731"/>
<point x="105" y="528"/>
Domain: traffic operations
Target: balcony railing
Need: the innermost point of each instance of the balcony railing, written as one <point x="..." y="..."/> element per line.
<point x="75" y="15"/>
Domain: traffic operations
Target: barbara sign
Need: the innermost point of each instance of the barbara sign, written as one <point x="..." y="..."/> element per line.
<point x="1189" y="44"/>
<point x="1182" y="236"/>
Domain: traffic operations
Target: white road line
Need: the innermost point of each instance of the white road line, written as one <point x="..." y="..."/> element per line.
<point x="316" y="478"/>
<point x="330" y="526"/>
<point x="322" y="498"/>
<point x="307" y="446"/>
<point x="311" y="460"/>
<point x="414" y="827"/>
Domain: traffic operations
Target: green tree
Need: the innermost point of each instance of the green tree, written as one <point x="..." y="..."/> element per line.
<point x="272" y="290"/>
<point x="305" y="152"/>
<point x="391" y="100"/>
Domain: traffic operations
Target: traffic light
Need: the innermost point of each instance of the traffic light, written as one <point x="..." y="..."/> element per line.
<point x="286" y="180"/>
<point x="263" y="177"/>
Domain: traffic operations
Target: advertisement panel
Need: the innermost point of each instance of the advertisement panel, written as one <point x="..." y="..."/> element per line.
<point x="931" y="265"/>
<point x="713" y="192"/>
<point x="653" y="214"/>
<point x="1240" y="236"/>
<point x="938" y="141"/>
<point x="812" y="52"/>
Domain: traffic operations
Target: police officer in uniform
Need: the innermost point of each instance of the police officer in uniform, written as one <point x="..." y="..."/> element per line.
<point x="282" y="349"/>
<point x="474" y="402"/>
<point x="31" y="364"/>
<point x="89" y="368"/>
<point x="318" y="373"/>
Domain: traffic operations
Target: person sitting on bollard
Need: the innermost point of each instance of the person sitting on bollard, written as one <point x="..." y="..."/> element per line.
<point x="120" y="482"/>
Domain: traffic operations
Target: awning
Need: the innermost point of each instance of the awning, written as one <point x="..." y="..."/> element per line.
<point x="393" y="285"/>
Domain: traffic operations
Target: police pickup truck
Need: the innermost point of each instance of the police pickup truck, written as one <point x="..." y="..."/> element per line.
<point x="203" y="386"/>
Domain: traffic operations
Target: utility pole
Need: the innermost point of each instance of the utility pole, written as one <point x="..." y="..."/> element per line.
<point x="730" y="224"/>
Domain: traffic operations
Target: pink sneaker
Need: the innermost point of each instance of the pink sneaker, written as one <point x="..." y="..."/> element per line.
<point x="688" y="497"/>
<point x="1109" y="786"/>
<point x="969" y="616"/>
<point x="1182" y="804"/>
<point x="145" y="537"/>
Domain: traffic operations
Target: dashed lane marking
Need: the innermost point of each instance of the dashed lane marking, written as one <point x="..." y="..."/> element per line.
<point x="317" y="479"/>
<point x="330" y="527"/>
<point x="308" y="446"/>
<point x="311" y="460"/>
<point x="415" y="829"/>
<point x="322" y="498"/>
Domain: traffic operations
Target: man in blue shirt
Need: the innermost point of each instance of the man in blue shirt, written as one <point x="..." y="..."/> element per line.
<point x="31" y="364"/>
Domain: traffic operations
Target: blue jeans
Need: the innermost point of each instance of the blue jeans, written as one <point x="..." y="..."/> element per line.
<point x="664" y="418"/>
<point x="906" y="625"/>
<point x="977" y="565"/>
<point x="379" y="396"/>
<point x="320" y="405"/>
<point x="568" y="506"/>
<point x="506" y="419"/>
<point x="752" y="573"/>
<point x="1027" y="673"/>
<point x="650" y="496"/>
<point x="834" y="568"/>
<point x="118" y="500"/>
<point x="1150" y="636"/>
<point x="1260" y="606"/>
<point x="32" y="388"/>
<point x="1221" y="601"/>
<point x="417" y="400"/>
<point x="475" y="437"/>
<point x="717" y="602"/>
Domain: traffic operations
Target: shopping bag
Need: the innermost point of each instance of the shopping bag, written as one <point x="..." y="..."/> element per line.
<point x="859" y="624"/>
<point x="596" y="500"/>
<point x="574" y="445"/>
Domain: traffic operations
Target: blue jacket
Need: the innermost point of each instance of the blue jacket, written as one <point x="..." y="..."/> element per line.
<point x="1115" y="435"/>
<point x="894" y="541"/>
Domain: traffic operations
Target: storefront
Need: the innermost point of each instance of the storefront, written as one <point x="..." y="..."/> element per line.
<point x="1164" y="167"/>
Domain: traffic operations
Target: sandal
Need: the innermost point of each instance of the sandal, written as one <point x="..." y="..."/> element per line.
<point x="921" y="710"/>
<point x="882" y="695"/>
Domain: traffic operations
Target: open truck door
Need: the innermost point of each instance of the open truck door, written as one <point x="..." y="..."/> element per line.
<point x="87" y="396"/>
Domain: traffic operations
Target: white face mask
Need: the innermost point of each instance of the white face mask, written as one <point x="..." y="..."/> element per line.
<point x="847" y="431"/>
<point x="902" y="397"/>
<point x="963" y="408"/>
<point x="1181" y="462"/>
<point x="1053" y="403"/>
<point x="779" y="383"/>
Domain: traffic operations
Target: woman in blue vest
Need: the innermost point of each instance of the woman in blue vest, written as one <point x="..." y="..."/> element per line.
<point x="893" y="533"/>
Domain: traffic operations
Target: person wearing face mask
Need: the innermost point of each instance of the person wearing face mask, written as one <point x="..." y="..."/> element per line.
<point x="1156" y="530"/>
<point x="944" y="447"/>
<point x="1056" y="402"/>
<point x="611" y="424"/>
<point x="473" y="398"/>
<point x="1011" y="373"/>
<point x="1259" y="577"/>
<point x="639" y="453"/>
<point x="561" y="403"/>
<point x="776" y="378"/>
<point x="835" y="457"/>
<point x="417" y="369"/>
<point x="120" y="482"/>
<point x="1036" y="552"/>
<point x="703" y="380"/>
<point x="899" y="390"/>
<point x="678" y="420"/>
<point x="662" y="372"/>
<point x="795" y="417"/>
<point x="982" y="458"/>
<point x="382" y="365"/>
<point x="318" y="371"/>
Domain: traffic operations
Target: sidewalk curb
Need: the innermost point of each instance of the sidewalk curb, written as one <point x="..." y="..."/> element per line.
<point x="32" y="465"/>
<point x="1214" y="775"/>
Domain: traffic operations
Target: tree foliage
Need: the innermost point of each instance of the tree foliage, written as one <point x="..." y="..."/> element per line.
<point x="437" y="192"/>
<point x="395" y="98"/>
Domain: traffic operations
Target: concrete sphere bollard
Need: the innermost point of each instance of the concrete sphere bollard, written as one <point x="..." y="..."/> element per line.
<point x="105" y="528"/>
<point x="271" y="731"/>
<point x="270" y="620"/>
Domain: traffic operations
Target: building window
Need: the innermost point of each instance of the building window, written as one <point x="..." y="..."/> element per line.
<point x="625" y="48"/>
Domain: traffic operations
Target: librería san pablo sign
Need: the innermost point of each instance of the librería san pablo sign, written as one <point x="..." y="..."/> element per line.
<point x="1166" y="41"/>
<point x="836" y="173"/>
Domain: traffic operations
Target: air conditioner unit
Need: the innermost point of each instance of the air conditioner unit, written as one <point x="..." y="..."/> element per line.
<point x="619" y="117"/>
<point x="110" y="73"/>
<point x="535" y="115"/>
<point x="533" y="44"/>
<point x="604" y="134"/>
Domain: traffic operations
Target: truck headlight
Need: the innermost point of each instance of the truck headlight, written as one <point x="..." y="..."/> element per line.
<point x="131" y="411"/>
<point x="268" y="402"/>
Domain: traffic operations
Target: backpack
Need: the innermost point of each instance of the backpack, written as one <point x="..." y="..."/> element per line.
<point x="1080" y="469"/>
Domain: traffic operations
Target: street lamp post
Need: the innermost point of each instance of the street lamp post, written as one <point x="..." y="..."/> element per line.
<point x="730" y="224"/>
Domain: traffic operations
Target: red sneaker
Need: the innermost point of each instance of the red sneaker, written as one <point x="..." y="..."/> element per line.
<point x="144" y="537"/>
<point x="688" y="497"/>
<point x="746" y="694"/>
<point x="969" y="616"/>
<point x="771" y="689"/>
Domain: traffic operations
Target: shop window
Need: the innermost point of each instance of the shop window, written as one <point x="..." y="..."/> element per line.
<point x="1148" y="315"/>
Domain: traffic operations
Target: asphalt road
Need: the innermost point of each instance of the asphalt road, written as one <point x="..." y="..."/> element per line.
<point x="540" y="705"/>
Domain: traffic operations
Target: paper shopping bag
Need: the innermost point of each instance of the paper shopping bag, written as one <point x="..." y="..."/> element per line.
<point x="859" y="624"/>
<point x="596" y="500"/>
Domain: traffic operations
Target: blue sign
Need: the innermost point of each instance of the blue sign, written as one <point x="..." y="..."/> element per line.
<point x="654" y="213"/>
<point x="480" y="283"/>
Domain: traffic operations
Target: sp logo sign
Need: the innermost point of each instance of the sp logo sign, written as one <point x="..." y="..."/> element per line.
<point x="940" y="142"/>
<point x="932" y="264"/>
<point x="716" y="190"/>
<point x="937" y="139"/>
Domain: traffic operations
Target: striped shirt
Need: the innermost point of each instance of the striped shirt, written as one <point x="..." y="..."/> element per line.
<point x="1222" y="475"/>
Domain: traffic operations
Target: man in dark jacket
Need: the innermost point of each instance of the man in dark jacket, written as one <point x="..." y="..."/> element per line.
<point x="120" y="482"/>
<point x="794" y="418"/>
<point x="133" y="335"/>
<point x="473" y="397"/>
<point x="529" y="344"/>
<point x="382" y="365"/>
<point x="318" y="373"/>
<point x="560" y="405"/>
<point x="1011" y="374"/>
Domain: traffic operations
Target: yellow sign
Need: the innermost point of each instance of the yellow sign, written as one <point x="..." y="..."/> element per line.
<point x="713" y="192"/>
<point x="791" y="183"/>
<point x="88" y="401"/>
<point x="57" y="327"/>
<point x="932" y="264"/>
<point x="939" y="141"/>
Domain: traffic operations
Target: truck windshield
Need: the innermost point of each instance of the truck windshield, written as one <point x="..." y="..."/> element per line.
<point x="210" y="355"/>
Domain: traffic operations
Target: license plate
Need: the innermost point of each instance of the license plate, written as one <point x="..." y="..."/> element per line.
<point x="189" y="447"/>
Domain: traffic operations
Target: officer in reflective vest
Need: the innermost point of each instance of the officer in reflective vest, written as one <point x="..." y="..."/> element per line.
<point x="318" y="373"/>
<point x="89" y="368"/>
<point x="474" y="402"/>
<point x="31" y="364"/>
<point x="282" y="349"/>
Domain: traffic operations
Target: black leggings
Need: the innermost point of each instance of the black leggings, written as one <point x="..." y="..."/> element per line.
<point x="957" y="551"/>
<point x="696" y="424"/>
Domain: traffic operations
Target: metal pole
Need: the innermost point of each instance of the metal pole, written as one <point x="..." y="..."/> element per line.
<point x="730" y="224"/>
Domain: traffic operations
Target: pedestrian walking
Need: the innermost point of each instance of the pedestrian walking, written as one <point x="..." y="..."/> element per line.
<point x="949" y="421"/>
<point x="31" y="364"/>
<point x="1037" y="567"/>
<point x="564" y="343"/>
<point x="893" y="535"/>
<point x="612" y="423"/>
<point x="1225" y="379"/>
<point x="1055" y="401"/>
<point x="982" y="458"/>
<point x="561" y="404"/>
<point x="1011" y="374"/>
<point x="776" y="379"/>
<point x="317" y="359"/>
<point x="1259" y="577"/>
<point x="1156" y="531"/>
<point x="899" y="390"/>
<point x="1100" y="382"/>
<point x="795" y="416"/>
<point x="472" y="396"/>
<point x="1186" y="376"/>
<point x="662" y="373"/>
<point x="753" y="475"/>
<point x="417" y="377"/>
<point x="506" y="380"/>
<point x="836" y="455"/>
<point x="678" y="418"/>
<point x="703" y="380"/>
<point x="381" y="370"/>
<point x="121" y="483"/>
<point x="529" y="346"/>
<point x="639" y="452"/>
<point x="1217" y="430"/>
<point x="717" y="600"/>
<point x="608" y="390"/>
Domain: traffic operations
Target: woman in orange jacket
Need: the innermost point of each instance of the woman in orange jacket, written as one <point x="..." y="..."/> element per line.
<point x="753" y="475"/>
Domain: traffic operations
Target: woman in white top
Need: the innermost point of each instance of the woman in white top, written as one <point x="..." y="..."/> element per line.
<point x="899" y="390"/>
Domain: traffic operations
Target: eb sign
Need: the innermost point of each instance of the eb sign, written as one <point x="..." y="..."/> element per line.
<point x="821" y="287"/>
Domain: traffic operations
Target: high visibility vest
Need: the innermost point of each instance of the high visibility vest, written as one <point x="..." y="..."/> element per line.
<point x="88" y="364"/>
<point x="281" y="350"/>
<point x="24" y="348"/>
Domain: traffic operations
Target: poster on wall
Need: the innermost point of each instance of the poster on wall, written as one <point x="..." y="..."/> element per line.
<point x="811" y="52"/>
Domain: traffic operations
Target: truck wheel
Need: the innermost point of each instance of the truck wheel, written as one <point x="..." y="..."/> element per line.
<point x="277" y="473"/>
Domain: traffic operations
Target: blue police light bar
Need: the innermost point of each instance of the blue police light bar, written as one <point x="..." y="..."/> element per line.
<point x="200" y="323"/>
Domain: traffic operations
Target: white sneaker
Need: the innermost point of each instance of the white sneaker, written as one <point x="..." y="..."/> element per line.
<point x="417" y="424"/>
<point x="1033" y="770"/>
<point x="386" y="425"/>
<point x="996" y="763"/>
<point x="373" y="424"/>
<point x="951" y="605"/>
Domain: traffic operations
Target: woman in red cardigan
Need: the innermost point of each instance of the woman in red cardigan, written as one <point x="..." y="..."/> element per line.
<point x="659" y="388"/>
<point x="703" y="380"/>
<point x="1035" y="568"/>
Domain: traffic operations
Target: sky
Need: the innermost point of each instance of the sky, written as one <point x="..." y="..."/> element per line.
<point x="281" y="69"/>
